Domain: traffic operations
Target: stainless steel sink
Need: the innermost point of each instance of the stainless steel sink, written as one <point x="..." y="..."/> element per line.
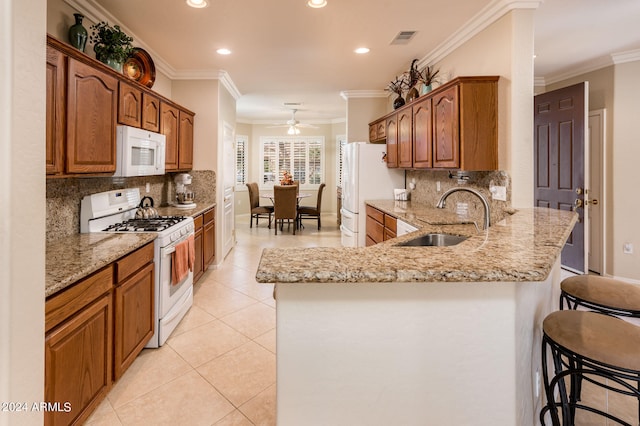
<point x="439" y="240"/>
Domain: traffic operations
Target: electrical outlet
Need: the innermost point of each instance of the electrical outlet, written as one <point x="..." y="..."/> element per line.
<point x="438" y="186"/>
<point x="462" y="209"/>
<point x="498" y="193"/>
<point x="537" y="384"/>
<point x="627" y="248"/>
<point x="147" y="187"/>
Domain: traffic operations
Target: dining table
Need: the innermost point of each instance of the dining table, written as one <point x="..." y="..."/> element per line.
<point x="300" y="196"/>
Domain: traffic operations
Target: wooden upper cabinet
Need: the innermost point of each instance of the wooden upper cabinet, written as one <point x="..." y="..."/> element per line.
<point x="446" y="140"/>
<point x="405" y="148"/>
<point x="185" y="141"/>
<point x="92" y="105"/>
<point x="377" y="131"/>
<point x="422" y="134"/>
<point x="392" y="140"/>
<point x="169" y="128"/>
<point x="150" y="112"/>
<point x="55" y="114"/>
<point x="129" y="105"/>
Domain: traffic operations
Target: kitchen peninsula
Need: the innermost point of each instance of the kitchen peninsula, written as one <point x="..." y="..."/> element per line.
<point x="417" y="335"/>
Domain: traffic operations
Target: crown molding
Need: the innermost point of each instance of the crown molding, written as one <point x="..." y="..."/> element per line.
<point x="97" y="13"/>
<point x="483" y="19"/>
<point x="627" y="56"/>
<point x="539" y="82"/>
<point x="348" y="94"/>
<point x="595" y="65"/>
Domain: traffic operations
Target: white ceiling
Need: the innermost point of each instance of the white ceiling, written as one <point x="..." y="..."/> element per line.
<point x="285" y="51"/>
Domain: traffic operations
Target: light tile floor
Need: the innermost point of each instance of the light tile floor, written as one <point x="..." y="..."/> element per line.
<point x="219" y="366"/>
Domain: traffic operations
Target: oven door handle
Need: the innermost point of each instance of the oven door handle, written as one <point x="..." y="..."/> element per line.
<point x="165" y="251"/>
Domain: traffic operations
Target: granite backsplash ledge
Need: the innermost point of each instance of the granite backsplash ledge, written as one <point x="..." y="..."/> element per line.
<point x="65" y="194"/>
<point x="426" y="191"/>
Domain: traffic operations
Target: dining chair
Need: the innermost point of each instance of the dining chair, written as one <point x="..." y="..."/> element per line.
<point x="311" y="212"/>
<point x="296" y="183"/>
<point x="254" y="204"/>
<point x="285" y="201"/>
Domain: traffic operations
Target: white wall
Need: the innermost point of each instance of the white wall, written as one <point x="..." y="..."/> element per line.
<point x="505" y="48"/>
<point x="22" y="206"/>
<point x="361" y="112"/>
<point x="626" y="152"/>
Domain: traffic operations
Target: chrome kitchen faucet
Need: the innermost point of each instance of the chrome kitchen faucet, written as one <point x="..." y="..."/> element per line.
<point x="487" y="215"/>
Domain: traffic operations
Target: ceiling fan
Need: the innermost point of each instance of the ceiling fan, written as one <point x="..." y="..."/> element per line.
<point x="294" y="125"/>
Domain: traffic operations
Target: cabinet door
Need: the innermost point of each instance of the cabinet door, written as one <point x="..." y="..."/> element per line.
<point x="198" y="267"/>
<point x="422" y="134"/>
<point x="185" y="139"/>
<point x="446" y="139"/>
<point x="78" y="363"/>
<point x="150" y="112"/>
<point x="169" y="128"/>
<point x="373" y="133"/>
<point x="209" y="239"/>
<point x="92" y="105"/>
<point x="392" y="141"/>
<point x="405" y="146"/>
<point x="134" y="318"/>
<point x="381" y="130"/>
<point x="55" y="111"/>
<point x="129" y="105"/>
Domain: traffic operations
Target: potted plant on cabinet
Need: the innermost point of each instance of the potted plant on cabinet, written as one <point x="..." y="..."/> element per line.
<point x="427" y="77"/>
<point x="397" y="86"/>
<point x="111" y="44"/>
<point x="411" y="80"/>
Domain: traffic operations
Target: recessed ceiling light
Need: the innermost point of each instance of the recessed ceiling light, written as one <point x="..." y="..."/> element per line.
<point x="198" y="3"/>
<point x="361" y="50"/>
<point x="317" y="3"/>
<point x="224" y="51"/>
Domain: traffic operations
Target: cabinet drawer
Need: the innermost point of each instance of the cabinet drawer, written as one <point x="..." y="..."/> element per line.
<point x="375" y="230"/>
<point x="375" y="214"/>
<point x="134" y="261"/>
<point x="197" y="222"/>
<point x="66" y="303"/>
<point x="209" y="215"/>
<point x="391" y="223"/>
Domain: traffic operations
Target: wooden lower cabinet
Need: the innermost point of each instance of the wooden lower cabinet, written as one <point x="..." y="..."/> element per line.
<point x="78" y="361"/>
<point x="133" y="308"/>
<point x="205" y="242"/>
<point x="379" y="226"/>
<point x="94" y="330"/>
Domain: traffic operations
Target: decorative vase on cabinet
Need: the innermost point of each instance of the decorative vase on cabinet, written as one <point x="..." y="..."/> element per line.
<point x="398" y="102"/>
<point x="413" y="94"/>
<point x="78" y="33"/>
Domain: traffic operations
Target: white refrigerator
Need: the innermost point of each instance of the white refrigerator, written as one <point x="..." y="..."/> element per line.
<point x="365" y="176"/>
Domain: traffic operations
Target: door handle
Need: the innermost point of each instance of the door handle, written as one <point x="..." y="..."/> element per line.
<point x="593" y="202"/>
<point x="577" y="204"/>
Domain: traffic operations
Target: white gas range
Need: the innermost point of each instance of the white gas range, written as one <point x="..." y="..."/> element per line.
<point x="115" y="211"/>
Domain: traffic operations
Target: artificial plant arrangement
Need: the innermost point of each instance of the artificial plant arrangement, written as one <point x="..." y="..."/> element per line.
<point x="428" y="76"/>
<point x="412" y="77"/>
<point x="397" y="86"/>
<point x="111" y="44"/>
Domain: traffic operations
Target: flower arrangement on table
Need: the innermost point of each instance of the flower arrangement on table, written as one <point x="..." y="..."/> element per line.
<point x="287" y="178"/>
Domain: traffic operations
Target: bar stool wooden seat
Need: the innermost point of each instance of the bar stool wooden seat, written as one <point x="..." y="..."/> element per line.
<point x="600" y="294"/>
<point x="593" y="347"/>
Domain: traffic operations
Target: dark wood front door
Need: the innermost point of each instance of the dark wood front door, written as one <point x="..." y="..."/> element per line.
<point x="559" y="138"/>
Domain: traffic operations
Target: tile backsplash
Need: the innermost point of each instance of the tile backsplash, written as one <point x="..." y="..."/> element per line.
<point x="426" y="191"/>
<point x="64" y="195"/>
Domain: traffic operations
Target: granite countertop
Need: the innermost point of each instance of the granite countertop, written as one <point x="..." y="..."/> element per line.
<point x="75" y="257"/>
<point x="522" y="247"/>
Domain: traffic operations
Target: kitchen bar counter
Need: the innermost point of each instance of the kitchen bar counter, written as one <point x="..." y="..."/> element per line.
<point x="521" y="247"/>
<point x="75" y="257"/>
<point x="418" y="335"/>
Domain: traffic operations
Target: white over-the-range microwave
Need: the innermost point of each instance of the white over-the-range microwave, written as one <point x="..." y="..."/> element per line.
<point x="139" y="152"/>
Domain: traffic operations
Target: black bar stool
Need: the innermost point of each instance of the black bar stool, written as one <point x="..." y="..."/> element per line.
<point x="593" y="347"/>
<point x="606" y="295"/>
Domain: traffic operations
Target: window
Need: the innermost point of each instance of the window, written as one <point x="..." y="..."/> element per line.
<point x="242" y="143"/>
<point x="303" y="157"/>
